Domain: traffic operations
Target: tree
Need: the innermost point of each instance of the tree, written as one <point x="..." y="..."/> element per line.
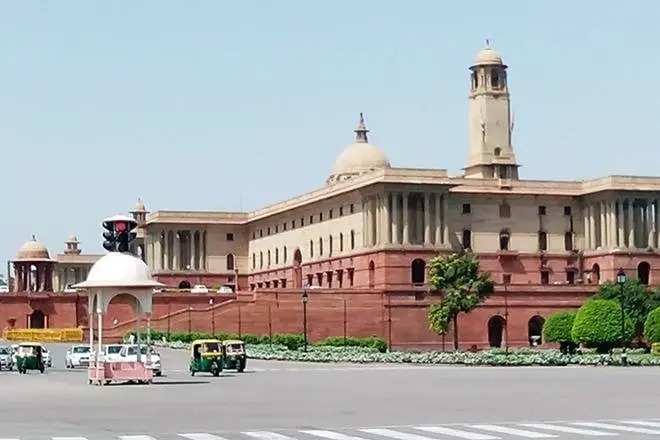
<point x="598" y="324"/>
<point x="462" y="287"/>
<point x="558" y="328"/>
<point x="652" y="327"/>
<point x="638" y="300"/>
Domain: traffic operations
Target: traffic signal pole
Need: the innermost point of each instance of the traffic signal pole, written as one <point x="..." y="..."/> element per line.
<point x="119" y="233"/>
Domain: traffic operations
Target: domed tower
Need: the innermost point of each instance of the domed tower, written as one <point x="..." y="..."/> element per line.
<point x="33" y="268"/>
<point x="72" y="246"/>
<point x="490" y="123"/>
<point x="139" y="213"/>
<point x="359" y="158"/>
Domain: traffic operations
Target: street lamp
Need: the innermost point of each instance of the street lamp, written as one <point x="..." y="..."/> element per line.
<point x="305" y="298"/>
<point x="212" y="317"/>
<point x="621" y="280"/>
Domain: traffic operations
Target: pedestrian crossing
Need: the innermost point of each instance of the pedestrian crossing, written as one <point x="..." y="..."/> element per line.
<point x="478" y="431"/>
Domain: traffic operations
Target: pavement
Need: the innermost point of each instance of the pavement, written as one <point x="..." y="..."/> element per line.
<point x="296" y="401"/>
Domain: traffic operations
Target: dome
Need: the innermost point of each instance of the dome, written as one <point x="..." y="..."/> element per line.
<point x="139" y="206"/>
<point x="360" y="157"/>
<point x="33" y="250"/>
<point x="488" y="56"/>
<point x="72" y="239"/>
<point x="120" y="270"/>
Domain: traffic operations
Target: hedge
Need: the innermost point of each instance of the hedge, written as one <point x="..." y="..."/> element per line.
<point x="652" y="326"/>
<point x="291" y="341"/>
<point x="558" y="328"/>
<point x="598" y="324"/>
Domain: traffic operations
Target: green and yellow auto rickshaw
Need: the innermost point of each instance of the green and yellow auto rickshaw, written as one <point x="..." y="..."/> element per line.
<point x="29" y="356"/>
<point x="234" y="357"/>
<point x="206" y="356"/>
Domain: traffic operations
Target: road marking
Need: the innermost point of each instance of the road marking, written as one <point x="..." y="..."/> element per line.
<point x="512" y="431"/>
<point x="332" y="435"/>
<point x="568" y="429"/>
<point x="201" y="436"/>
<point x="395" y="434"/>
<point x="136" y="437"/>
<point x="636" y="422"/>
<point x="267" y="435"/>
<point x="618" y="428"/>
<point x="69" y="438"/>
<point x="456" y="433"/>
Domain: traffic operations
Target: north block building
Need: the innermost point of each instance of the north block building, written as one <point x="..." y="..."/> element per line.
<point x="373" y="227"/>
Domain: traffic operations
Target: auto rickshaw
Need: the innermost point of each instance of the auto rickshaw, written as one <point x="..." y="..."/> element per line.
<point x="206" y="356"/>
<point x="234" y="355"/>
<point x="30" y="357"/>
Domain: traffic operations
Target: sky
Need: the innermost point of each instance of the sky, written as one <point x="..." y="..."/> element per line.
<point x="218" y="105"/>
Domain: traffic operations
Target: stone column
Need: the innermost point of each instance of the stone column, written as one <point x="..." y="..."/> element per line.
<point x="650" y="226"/>
<point x="191" y="247"/>
<point x="585" y="221"/>
<point x="611" y="207"/>
<point x="176" y="254"/>
<point x="621" y="241"/>
<point x="657" y="223"/>
<point x="419" y="220"/>
<point x="158" y="252"/>
<point x="395" y="218"/>
<point x="603" y="224"/>
<point x="387" y="218"/>
<point x="631" y="224"/>
<point x="445" y="219"/>
<point x="364" y="223"/>
<point x="427" y="219"/>
<point x="592" y="225"/>
<point x="438" y="220"/>
<point x="406" y="220"/>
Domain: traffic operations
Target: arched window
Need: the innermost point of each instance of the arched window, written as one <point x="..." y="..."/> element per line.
<point x="568" y="241"/>
<point x="330" y="245"/>
<point x="495" y="331"/>
<point x="543" y="241"/>
<point x="230" y="262"/>
<point x="320" y="246"/>
<point x="341" y="242"/>
<point x="254" y="260"/>
<point x="284" y="255"/>
<point x="504" y="239"/>
<point x="277" y="255"/>
<point x="261" y="259"/>
<point x="268" y="258"/>
<point x="418" y="271"/>
<point x="311" y="248"/>
<point x="37" y="319"/>
<point x="352" y="239"/>
<point x="467" y="239"/>
<point x="535" y="330"/>
<point x="643" y="272"/>
<point x="505" y="210"/>
<point x="372" y="274"/>
<point x="595" y="273"/>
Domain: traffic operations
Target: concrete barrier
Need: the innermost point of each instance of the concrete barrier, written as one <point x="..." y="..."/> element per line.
<point x="44" y="335"/>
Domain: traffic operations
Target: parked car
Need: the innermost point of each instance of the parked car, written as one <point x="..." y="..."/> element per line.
<point x="6" y="358"/>
<point x="77" y="356"/>
<point x="112" y="352"/>
<point x="47" y="359"/>
<point x="199" y="288"/>
<point x="128" y="353"/>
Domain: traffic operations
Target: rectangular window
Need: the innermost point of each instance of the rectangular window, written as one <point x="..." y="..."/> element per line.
<point x="545" y="277"/>
<point x="230" y="236"/>
<point x="567" y="210"/>
<point x="541" y="210"/>
<point x="467" y="208"/>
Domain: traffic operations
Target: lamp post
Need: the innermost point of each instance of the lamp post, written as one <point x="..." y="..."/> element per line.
<point x="305" y="298"/>
<point x="621" y="281"/>
<point x="506" y="313"/>
<point x="212" y="317"/>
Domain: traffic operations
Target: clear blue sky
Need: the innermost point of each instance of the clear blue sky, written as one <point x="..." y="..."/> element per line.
<point x="218" y="105"/>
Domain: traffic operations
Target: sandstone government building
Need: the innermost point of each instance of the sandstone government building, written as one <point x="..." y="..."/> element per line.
<point x="363" y="239"/>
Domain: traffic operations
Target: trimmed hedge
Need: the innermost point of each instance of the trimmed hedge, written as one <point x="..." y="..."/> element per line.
<point x="598" y="324"/>
<point x="558" y="328"/>
<point x="290" y="341"/>
<point x="652" y="326"/>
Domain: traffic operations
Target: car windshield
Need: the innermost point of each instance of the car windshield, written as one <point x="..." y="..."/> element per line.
<point x="235" y="347"/>
<point x="114" y="349"/>
<point x="211" y="347"/>
<point x="84" y="349"/>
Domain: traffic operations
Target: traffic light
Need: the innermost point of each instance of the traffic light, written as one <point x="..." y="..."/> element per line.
<point x="118" y="235"/>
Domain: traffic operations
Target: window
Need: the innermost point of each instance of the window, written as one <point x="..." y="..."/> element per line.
<point x="543" y="241"/>
<point x="277" y="256"/>
<point x="506" y="278"/>
<point x="330" y="245"/>
<point x="254" y="235"/>
<point x="268" y="231"/>
<point x="545" y="277"/>
<point x="230" y="262"/>
<point x="467" y="239"/>
<point x="261" y="259"/>
<point x="284" y="256"/>
<point x="254" y="260"/>
<point x="293" y="224"/>
<point x="568" y="241"/>
<point x="320" y="246"/>
<point x="467" y="209"/>
<point x="311" y="248"/>
<point x="230" y="236"/>
<point x="341" y="242"/>
<point x="497" y="151"/>
<point x="505" y="210"/>
<point x="541" y="210"/>
<point x="495" y="79"/>
<point x="504" y="240"/>
<point x="330" y="214"/>
<point x="268" y="254"/>
<point x="284" y="226"/>
<point x="568" y="210"/>
<point x="352" y="208"/>
<point x="302" y="221"/>
<point x="320" y="216"/>
<point x="261" y="232"/>
<point x="277" y="228"/>
<point x="352" y="240"/>
<point x="570" y="276"/>
<point x="341" y="211"/>
<point x="311" y="219"/>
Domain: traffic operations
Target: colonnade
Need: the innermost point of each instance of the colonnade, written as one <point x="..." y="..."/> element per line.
<point x="418" y="218"/>
<point x="177" y="250"/>
<point x="71" y="275"/>
<point x="39" y="279"/>
<point x="631" y="223"/>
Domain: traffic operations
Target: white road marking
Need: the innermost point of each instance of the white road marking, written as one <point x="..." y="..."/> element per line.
<point x="512" y="431"/>
<point x="568" y="429"/>
<point x="332" y="435"/>
<point x="201" y="436"/>
<point x="618" y="428"/>
<point x="642" y="423"/>
<point x="136" y="437"/>
<point x="395" y="434"/>
<point x="267" y="435"/>
<point x="69" y="438"/>
<point x="456" y="433"/>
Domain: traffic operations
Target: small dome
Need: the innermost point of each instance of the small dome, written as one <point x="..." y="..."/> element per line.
<point x="139" y="206"/>
<point x="116" y="269"/>
<point x="72" y="239"/>
<point x="360" y="157"/>
<point x="33" y="250"/>
<point x="487" y="57"/>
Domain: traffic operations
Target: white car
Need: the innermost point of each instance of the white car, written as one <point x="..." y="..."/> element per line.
<point x="199" y="288"/>
<point x="48" y="361"/>
<point x="128" y="353"/>
<point x="112" y="352"/>
<point x="77" y="356"/>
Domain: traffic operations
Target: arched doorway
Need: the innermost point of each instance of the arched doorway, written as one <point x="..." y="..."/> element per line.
<point x="535" y="330"/>
<point x="644" y="272"/>
<point x="495" y="331"/>
<point x="297" y="269"/>
<point x="372" y="274"/>
<point x="418" y="271"/>
<point x="595" y="274"/>
<point x="184" y="285"/>
<point x="37" y="319"/>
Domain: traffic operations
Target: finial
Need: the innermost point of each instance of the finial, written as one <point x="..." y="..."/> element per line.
<point x="487" y="42"/>
<point x="361" y="130"/>
<point x="34" y="237"/>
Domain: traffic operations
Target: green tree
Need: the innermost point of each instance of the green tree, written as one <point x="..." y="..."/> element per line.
<point x="558" y="328"/>
<point x="652" y="326"/>
<point x="638" y="300"/>
<point x="462" y="286"/>
<point x="598" y="324"/>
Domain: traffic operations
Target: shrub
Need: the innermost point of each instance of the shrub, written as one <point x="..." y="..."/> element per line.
<point x="558" y="328"/>
<point x="598" y="323"/>
<point x="652" y="327"/>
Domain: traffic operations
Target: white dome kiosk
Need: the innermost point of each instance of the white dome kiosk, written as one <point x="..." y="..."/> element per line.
<point x="118" y="273"/>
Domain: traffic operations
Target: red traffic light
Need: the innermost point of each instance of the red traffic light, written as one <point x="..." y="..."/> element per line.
<point x="120" y="226"/>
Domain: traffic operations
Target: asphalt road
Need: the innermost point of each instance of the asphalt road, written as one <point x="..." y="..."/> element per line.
<point x="285" y="398"/>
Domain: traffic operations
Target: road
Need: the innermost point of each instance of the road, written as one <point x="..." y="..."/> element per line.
<point x="289" y="400"/>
